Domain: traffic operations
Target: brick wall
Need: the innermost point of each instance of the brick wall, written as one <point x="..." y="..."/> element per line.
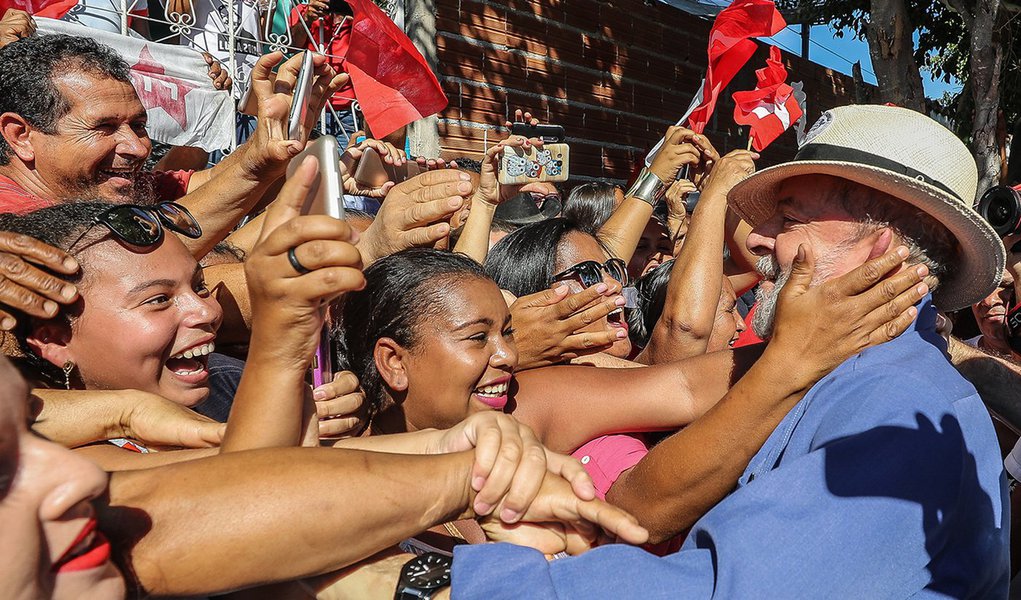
<point x="614" y="73"/>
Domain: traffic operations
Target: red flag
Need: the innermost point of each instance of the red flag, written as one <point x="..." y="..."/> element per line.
<point x="730" y="48"/>
<point x="392" y="82"/>
<point x="771" y="107"/>
<point x="53" y="9"/>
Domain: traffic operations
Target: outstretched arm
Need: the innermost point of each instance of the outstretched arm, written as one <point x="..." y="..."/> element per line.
<point x="223" y="195"/>
<point x="310" y="511"/>
<point x="696" y="277"/>
<point x="623" y="230"/>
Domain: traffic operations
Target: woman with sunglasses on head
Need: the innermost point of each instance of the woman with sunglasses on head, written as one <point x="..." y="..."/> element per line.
<point x="146" y="320"/>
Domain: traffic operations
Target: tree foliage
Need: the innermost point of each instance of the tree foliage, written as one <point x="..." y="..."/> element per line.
<point x="943" y="45"/>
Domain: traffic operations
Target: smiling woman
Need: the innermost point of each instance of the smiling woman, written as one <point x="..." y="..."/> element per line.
<point x="145" y="319"/>
<point x="436" y="320"/>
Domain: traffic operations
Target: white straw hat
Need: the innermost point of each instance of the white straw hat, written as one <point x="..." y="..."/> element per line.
<point x="909" y="156"/>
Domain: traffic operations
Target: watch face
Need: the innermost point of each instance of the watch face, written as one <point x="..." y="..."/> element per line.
<point x="428" y="571"/>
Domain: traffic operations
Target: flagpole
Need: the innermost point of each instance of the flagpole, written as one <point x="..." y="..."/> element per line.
<point x="232" y="67"/>
<point x="322" y="50"/>
<point x="749" y="148"/>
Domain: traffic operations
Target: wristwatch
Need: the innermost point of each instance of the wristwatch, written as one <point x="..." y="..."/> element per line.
<point x="647" y="188"/>
<point x="423" y="576"/>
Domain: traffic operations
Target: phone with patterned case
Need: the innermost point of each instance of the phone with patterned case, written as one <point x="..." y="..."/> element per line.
<point x="520" y="165"/>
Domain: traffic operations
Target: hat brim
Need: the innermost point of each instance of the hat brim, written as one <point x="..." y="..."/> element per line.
<point x="981" y="256"/>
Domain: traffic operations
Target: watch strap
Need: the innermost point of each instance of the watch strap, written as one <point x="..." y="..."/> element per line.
<point x="648" y="188"/>
<point x="410" y="593"/>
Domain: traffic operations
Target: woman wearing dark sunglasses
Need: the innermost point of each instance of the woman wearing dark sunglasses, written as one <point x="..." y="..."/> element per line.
<point x="539" y="256"/>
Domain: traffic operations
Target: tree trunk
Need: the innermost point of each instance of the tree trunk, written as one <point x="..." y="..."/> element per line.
<point x="889" y="32"/>
<point x="984" y="66"/>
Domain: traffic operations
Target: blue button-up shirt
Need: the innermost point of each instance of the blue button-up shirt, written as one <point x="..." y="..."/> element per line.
<point x="884" y="481"/>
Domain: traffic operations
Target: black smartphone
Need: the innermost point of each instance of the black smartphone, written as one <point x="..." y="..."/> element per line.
<point x="546" y="133"/>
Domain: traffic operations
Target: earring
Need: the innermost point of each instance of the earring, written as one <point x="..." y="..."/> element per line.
<point x="68" y="368"/>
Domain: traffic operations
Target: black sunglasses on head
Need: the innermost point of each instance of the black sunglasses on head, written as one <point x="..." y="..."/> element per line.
<point x="142" y="226"/>
<point x="590" y="272"/>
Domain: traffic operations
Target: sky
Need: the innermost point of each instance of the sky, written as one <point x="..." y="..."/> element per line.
<point x="840" y="53"/>
<point x="837" y="53"/>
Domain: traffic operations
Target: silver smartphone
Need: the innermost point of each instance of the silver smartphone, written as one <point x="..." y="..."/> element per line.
<point x="300" y="98"/>
<point x="326" y="196"/>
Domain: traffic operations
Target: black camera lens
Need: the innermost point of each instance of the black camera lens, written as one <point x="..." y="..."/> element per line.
<point x="1001" y="208"/>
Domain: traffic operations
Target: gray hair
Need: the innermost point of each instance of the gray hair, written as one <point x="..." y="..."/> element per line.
<point x="928" y="241"/>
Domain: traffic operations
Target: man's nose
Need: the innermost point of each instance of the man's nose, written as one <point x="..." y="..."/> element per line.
<point x="739" y="323"/>
<point x="133" y="145"/>
<point x="761" y="240"/>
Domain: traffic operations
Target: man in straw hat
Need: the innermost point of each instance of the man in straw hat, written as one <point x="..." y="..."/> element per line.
<point x="885" y="480"/>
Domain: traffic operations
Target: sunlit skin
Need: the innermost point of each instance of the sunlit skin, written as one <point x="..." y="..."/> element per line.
<point x="804" y="217"/>
<point x="138" y="310"/>
<point x="991" y="314"/>
<point x="728" y="324"/>
<point x="466" y="342"/>
<point x="618" y="197"/>
<point x="576" y="247"/>
<point x="654" y="248"/>
<point x="99" y="146"/>
<point x="44" y="507"/>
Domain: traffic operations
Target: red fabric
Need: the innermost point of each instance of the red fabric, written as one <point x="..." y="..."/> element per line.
<point x="14" y="199"/>
<point x="748" y="337"/>
<point x="392" y="82"/>
<point x="771" y="107"/>
<point x="730" y="48"/>
<point x="336" y="49"/>
<point x="53" y="9"/>
<point x="170" y="185"/>
<point x="166" y="185"/>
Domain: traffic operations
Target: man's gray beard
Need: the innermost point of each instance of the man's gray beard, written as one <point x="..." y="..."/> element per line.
<point x="765" y="301"/>
<point x="765" y="308"/>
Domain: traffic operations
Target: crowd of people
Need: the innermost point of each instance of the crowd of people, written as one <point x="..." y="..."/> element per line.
<point x="796" y="419"/>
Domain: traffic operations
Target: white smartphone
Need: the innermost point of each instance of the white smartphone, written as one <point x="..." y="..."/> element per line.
<point x="300" y="98"/>
<point x="326" y="196"/>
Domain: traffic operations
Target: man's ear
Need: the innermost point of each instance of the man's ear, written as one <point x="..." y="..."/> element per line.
<point x="49" y="341"/>
<point x="16" y="132"/>
<point x="390" y="362"/>
<point x="882" y="242"/>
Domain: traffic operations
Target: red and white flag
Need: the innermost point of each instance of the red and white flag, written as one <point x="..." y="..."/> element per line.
<point x="730" y="47"/>
<point x="173" y="84"/>
<point x="771" y="107"/>
<point x="392" y="82"/>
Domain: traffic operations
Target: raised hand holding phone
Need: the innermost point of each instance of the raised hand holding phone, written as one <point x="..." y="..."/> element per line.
<point x="299" y="265"/>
